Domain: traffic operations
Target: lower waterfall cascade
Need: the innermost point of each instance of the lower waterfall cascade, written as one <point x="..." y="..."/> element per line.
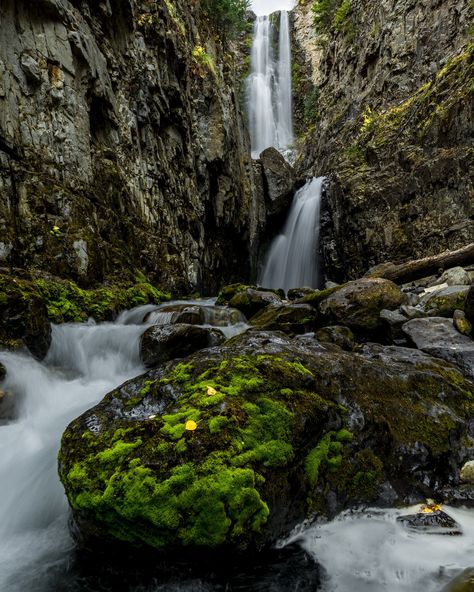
<point x="292" y="259"/>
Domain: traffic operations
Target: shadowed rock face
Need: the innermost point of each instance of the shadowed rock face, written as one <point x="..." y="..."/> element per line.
<point x="388" y="97"/>
<point x="226" y="451"/>
<point x="129" y="151"/>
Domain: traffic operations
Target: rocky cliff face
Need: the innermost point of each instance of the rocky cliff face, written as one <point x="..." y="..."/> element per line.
<point x="386" y="109"/>
<point x="122" y="144"/>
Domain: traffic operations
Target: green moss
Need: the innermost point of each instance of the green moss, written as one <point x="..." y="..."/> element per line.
<point x="326" y="455"/>
<point x="216" y="424"/>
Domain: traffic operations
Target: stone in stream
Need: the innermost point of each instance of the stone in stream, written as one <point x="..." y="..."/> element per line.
<point x="464" y="582"/>
<point x="438" y="337"/>
<point x="289" y="318"/>
<point x="431" y="520"/>
<point x="467" y="473"/>
<point x="162" y="343"/>
<point x="251" y="301"/>
<point x="225" y="452"/>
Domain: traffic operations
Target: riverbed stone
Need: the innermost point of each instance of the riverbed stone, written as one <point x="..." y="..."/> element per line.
<point x="289" y="318"/>
<point x="456" y="276"/>
<point x="438" y="337"/>
<point x="467" y="473"/>
<point x="444" y="302"/>
<point x="251" y="301"/>
<point x="337" y="334"/>
<point x="223" y="453"/>
<point x="166" y="342"/>
<point x="358" y="304"/>
<point x="461" y="323"/>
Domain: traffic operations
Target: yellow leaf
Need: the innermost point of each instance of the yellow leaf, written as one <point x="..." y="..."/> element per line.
<point x="191" y="425"/>
<point x="211" y="391"/>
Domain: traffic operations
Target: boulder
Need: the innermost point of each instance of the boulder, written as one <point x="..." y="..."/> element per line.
<point x="166" y="342"/>
<point x="289" y="318"/>
<point x="438" y="337"/>
<point x="393" y="320"/>
<point x="461" y="323"/>
<point x="251" y="301"/>
<point x="228" y="292"/>
<point x="358" y="304"/>
<point x="23" y="319"/>
<point x="464" y="582"/>
<point x="456" y="276"/>
<point x="467" y="473"/>
<point x="431" y="521"/>
<point x="444" y="302"/>
<point x="279" y="181"/>
<point x="225" y="452"/>
<point x="337" y="334"/>
<point x="195" y="314"/>
<point x="469" y="304"/>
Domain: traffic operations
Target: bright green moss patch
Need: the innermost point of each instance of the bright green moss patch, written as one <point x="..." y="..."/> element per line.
<point x="326" y="455"/>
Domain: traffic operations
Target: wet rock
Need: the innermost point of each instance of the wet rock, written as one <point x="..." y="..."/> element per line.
<point x="162" y="343"/>
<point x="228" y="292"/>
<point x="462" y="583"/>
<point x="461" y="323"/>
<point x="3" y="372"/>
<point x="467" y="473"/>
<point x="250" y="301"/>
<point x="216" y="316"/>
<point x="438" y="337"/>
<point x="358" y="304"/>
<point x="393" y="322"/>
<point x="412" y="312"/>
<point x="431" y="522"/>
<point x="456" y="276"/>
<point x="23" y="319"/>
<point x="279" y="181"/>
<point x="225" y="452"/>
<point x="298" y="293"/>
<point x="444" y="302"/>
<point x="7" y="406"/>
<point x="289" y="318"/>
<point x="469" y="305"/>
<point x="339" y="335"/>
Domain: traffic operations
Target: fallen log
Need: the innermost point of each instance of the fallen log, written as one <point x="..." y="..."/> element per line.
<point x="413" y="270"/>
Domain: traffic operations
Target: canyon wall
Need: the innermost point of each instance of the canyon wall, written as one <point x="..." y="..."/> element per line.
<point x="122" y="144"/>
<point x="385" y="107"/>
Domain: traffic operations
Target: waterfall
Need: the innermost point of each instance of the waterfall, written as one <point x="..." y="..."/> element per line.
<point x="292" y="258"/>
<point x="269" y="87"/>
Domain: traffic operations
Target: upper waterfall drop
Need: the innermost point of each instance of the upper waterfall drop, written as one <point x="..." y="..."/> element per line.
<point x="269" y="91"/>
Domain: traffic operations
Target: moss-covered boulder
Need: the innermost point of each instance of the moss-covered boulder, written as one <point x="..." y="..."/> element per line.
<point x="444" y="302"/>
<point x="231" y="448"/>
<point x="358" y="304"/>
<point x="289" y="318"/>
<point x="337" y="334"/>
<point x="23" y="317"/>
<point x="250" y="301"/>
<point x="228" y="292"/>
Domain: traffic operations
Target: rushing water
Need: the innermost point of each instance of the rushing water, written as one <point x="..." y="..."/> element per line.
<point x="292" y="260"/>
<point x="269" y="87"/>
<point x="371" y="552"/>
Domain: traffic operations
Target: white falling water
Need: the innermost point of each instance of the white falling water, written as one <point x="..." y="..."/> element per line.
<point x="269" y="87"/>
<point x="292" y="258"/>
<point x="371" y="552"/>
<point x="84" y="363"/>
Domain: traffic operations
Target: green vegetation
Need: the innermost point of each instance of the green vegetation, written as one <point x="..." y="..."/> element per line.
<point x="311" y="111"/>
<point x="204" y="60"/>
<point x="66" y="302"/>
<point x="228" y="15"/>
<point x="332" y="15"/>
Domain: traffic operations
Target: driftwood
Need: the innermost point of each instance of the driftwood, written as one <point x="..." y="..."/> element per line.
<point x="414" y="270"/>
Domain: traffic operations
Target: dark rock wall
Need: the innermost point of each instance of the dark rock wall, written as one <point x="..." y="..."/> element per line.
<point x="386" y="109"/>
<point x="122" y="144"/>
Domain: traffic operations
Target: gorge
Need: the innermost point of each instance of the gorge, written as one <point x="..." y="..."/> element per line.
<point x="311" y="426"/>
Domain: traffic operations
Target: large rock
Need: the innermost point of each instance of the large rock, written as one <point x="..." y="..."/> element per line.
<point x="469" y="304"/>
<point x="250" y="301"/>
<point x="166" y="342"/>
<point x="279" y="181"/>
<point x="456" y="276"/>
<point x="438" y="337"/>
<point x="290" y="318"/>
<point x="444" y="302"/>
<point x="23" y="318"/>
<point x="228" y="450"/>
<point x="358" y="304"/>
